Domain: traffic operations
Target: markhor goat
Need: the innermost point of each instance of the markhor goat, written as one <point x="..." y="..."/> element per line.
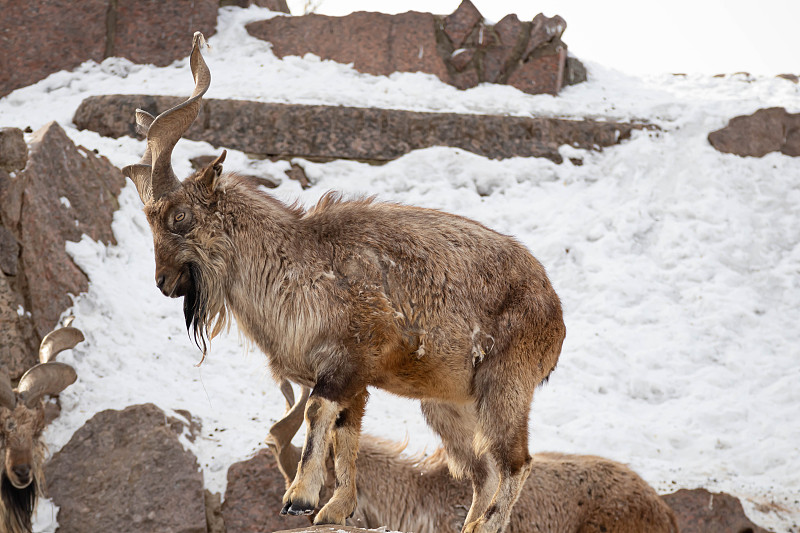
<point x="22" y="420"/>
<point x="351" y="294"/>
<point x="564" y="493"/>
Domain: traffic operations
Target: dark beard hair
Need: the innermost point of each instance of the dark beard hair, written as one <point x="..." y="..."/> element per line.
<point x="19" y="504"/>
<point x="195" y="309"/>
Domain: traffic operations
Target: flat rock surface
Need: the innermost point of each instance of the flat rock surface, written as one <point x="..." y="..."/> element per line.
<point x="372" y="134"/>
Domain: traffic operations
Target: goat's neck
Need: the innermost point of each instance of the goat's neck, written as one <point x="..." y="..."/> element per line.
<point x="272" y="262"/>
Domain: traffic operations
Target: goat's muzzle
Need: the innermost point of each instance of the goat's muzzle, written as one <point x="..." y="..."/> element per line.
<point x="21" y="476"/>
<point x="174" y="283"/>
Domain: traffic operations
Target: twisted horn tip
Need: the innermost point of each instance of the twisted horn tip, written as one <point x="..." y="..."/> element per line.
<point x="199" y="39"/>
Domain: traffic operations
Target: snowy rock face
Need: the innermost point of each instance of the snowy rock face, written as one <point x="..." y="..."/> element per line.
<point x="127" y="471"/>
<point x="32" y="206"/>
<point x="55" y="194"/>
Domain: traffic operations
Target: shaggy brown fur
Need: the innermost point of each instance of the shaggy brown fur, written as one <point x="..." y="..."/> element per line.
<point x="360" y="293"/>
<point x="564" y="493"/>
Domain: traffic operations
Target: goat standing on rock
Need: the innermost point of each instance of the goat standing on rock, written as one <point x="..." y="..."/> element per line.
<point x="351" y="294"/>
<point x="22" y="419"/>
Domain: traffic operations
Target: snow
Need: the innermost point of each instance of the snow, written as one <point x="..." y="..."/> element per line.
<point x="678" y="268"/>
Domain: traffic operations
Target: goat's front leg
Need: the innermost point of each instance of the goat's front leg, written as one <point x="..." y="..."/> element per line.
<point x="346" y="432"/>
<point x="302" y="496"/>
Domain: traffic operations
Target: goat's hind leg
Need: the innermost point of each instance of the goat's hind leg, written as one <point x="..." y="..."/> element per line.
<point x="346" y="433"/>
<point x="503" y="432"/>
<point x="456" y="425"/>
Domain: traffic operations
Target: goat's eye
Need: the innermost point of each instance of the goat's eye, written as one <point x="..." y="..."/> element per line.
<point x="181" y="220"/>
<point x="10" y="424"/>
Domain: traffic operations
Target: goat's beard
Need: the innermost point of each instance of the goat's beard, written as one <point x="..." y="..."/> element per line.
<point x="203" y="304"/>
<point x="18" y="504"/>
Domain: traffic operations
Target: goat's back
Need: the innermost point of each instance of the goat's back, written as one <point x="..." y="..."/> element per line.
<point x="588" y="494"/>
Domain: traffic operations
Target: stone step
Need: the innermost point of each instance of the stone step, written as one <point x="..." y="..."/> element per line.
<point x="367" y="134"/>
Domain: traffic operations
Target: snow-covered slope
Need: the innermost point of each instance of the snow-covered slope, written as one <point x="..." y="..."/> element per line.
<point x="678" y="268"/>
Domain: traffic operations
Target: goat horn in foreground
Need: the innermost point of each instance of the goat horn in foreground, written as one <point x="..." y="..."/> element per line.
<point x="153" y="175"/>
<point x="45" y="378"/>
<point x="7" y="398"/>
<point x="57" y="341"/>
<point x="281" y="433"/>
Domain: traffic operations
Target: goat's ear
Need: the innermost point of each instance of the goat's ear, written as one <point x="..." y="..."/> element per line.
<point x="210" y="175"/>
<point x="140" y="175"/>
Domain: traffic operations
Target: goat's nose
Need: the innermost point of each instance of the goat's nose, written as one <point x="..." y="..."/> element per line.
<point x="22" y="471"/>
<point x="160" y="282"/>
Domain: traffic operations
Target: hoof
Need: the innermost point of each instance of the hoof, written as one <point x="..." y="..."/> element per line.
<point x="297" y="509"/>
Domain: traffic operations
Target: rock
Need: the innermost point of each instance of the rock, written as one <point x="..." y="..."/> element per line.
<point x="127" y="471"/>
<point x="540" y="74"/>
<point x="544" y="30"/>
<point x="459" y="24"/>
<point x="18" y="342"/>
<point x="794" y="78"/>
<point x="369" y="134"/>
<point x="9" y="252"/>
<point x="66" y="191"/>
<point x="158" y="32"/>
<point x="214" y="521"/>
<point x="11" y="189"/>
<point x="765" y="131"/>
<point x="65" y="37"/>
<point x="791" y="146"/>
<point x="144" y="31"/>
<point x="202" y="161"/>
<point x="329" y="529"/>
<point x="498" y="59"/>
<point x="465" y="79"/>
<point x="297" y="173"/>
<point x="574" y="71"/>
<point x="272" y="5"/>
<point x="461" y="58"/>
<point x="254" y="495"/>
<point x="375" y="43"/>
<point x="700" y="511"/>
<point x="13" y="150"/>
<point x="460" y="49"/>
